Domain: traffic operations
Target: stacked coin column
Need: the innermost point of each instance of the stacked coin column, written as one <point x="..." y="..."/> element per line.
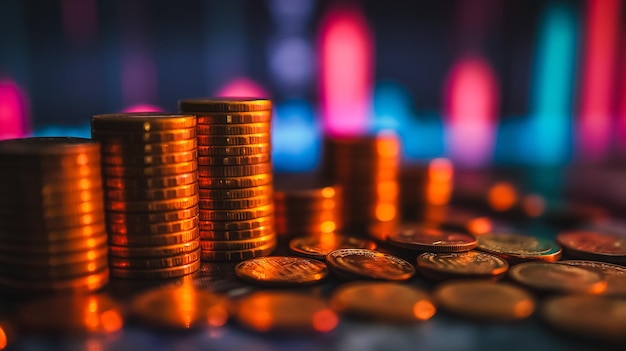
<point x="235" y="176"/>
<point x="366" y="168"/>
<point x="149" y="167"/>
<point x="52" y="234"/>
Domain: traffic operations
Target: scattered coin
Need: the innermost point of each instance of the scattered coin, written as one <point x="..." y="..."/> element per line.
<point x="471" y="264"/>
<point x="615" y="275"/>
<point x="517" y="248"/>
<point x="558" y="278"/>
<point x="432" y="240"/>
<point x="368" y="264"/>
<point x="594" y="245"/>
<point x="281" y="271"/>
<point x="318" y="246"/>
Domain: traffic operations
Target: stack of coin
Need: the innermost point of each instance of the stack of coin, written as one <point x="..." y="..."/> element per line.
<point x="366" y="169"/>
<point x="52" y="234"/>
<point x="235" y="176"/>
<point x="426" y="189"/>
<point x="149" y="167"/>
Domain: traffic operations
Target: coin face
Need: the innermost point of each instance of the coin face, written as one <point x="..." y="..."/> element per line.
<point x="382" y="301"/>
<point x="560" y="278"/>
<point x="485" y="301"/>
<point x="590" y="316"/>
<point x="275" y="311"/>
<point x="361" y="263"/>
<point x="433" y="240"/>
<point x="594" y="245"/>
<point x="318" y="246"/>
<point x="517" y="248"/>
<point x="461" y="264"/>
<point x="615" y="275"/>
<point x="282" y="270"/>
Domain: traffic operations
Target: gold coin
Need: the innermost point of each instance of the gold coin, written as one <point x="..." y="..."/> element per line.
<point x="48" y="146"/>
<point x="237" y="234"/>
<point x="20" y="258"/>
<point x="154" y="263"/>
<point x="155" y="239"/>
<point x="161" y="273"/>
<point x="72" y="314"/>
<point x="46" y="271"/>
<point x="231" y="151"/>
<point x="471" y="264"/>
<point x="224" y="105"/>
<point x="141" y="219"/>
<point x="32" y="223"/>
<point x="153" y="251"/>
<point x="180" y="308"/>
<point x="45" y="236"/>
<point x="152" y="194"/>
<point x="368" y="264"/>
<point x="149" y="160"/>
<point x="235" y="183"/>
<point x="146" y="206"/>
<point x="558" y="278"/>
<point x="594" y="245"/>
<point x="615" y="275"/>
<point x="54" y="247"/>
<point x="234" y="129"/>
<point x="225" y="245"/>
<point x="160" y="136"/>
<point x="225" y="194"/>
<point x="118" y="148"/>
<point x="146" y="229"/>
<point x="234" y="140"/>
<point x="282" y="271"/>
<point x="87" y="283"/>
<point x="234" y="160"/>
<point x="238" y="255"/>
<point x="318" y="246"/>
<point x="235" y="171"/>
<point x="152" y="183"/>
<point x="155" y="171"/>
<point x="142" y="121"/>
<point x="234" y="204"/>
<point x="587" y="316"/>
<point x="236" y="215"/>
<point x="276" y="311"/>
<point x="517" y="248"/>
<point x="432" y="240"/>
<point x="485" y="301"/>
<point x="236" y="225"/>
<point x="382" y="301"/>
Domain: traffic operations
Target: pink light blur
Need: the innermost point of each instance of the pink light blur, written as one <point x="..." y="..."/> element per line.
<point x="346" y="59"/>
<point x="598" y="71"/>
<point x="142" y="108"/>
<point x="242" y="87"/>
<point x="621" y="122"/>
<point x="80" y="20"/>
<point x="13" y="111"/>
<point x="472" y="97"/>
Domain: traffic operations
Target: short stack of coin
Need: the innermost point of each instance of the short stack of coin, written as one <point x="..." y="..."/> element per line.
<point x="149" y="167"/>
<point x="52" y="233"/>
<point x="235" y="176"/>
<point x="366" y="168"/>
<point x="426" y="189"/>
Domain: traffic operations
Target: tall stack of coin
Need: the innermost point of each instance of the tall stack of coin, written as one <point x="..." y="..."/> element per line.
<point x="235" y="176"/>
<point x="149" y="167"/>
<point x="366" y="168"/>
<point x="52" y="234"/>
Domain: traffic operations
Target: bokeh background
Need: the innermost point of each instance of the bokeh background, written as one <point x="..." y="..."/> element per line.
<point x="482" y="82"/>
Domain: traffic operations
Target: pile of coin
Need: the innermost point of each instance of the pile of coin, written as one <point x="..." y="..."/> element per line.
<point x="366" y="168"/>
<point x="52" y="233"/>
<point x="235" y="177"/>
<point x="425" y="189"/>
<point x="149" y="167"/>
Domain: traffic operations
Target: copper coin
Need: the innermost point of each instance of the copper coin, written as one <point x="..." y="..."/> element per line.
<point x="615" y="275"/>
<point x="269" y="311"/>
<point x="154" y="263"/>
<point x="50" y="146"/>
<point x="232" y="151"/>
<point x="19" y="258"/>
<point x="318" y="246"/>
<point x="236" y="215"/>
<point x="151" y="182"/>
<point x="152" y="171"/>
<point x="368" y="264"/>
<point x="152" y="194"/>
<point x="302" y="207"/>
<point x="56" y="164"/>
<point x="154" y="251"/>
<point x="143" y="219"/>
<point x="587" y="316"/>
<point x="225" y="105"/>
<point x="234" y="140"/>
<point x="38" y="236"/>
<point x="237" y="234"/>
<point x="238" y="255"/>
<point x="54" y="247"/>
<point x="93" y="207"/>
<point x="235" y="171"/>
<point x="225" y="194"/>
<point x="327" y="192"/>
<point x="33" y="224"/>
<point x="22" y="199"/>
<point x="558" y="278"/>
<point x="382" y="301"/>
<point x="234" y="204"/>
<point x="234" y="129"/>
<point x="517" y="248"/>
<point x="236" y="182"/>
<point x="160" y="273"/>
<point x="236" y="225"/>
<point x="281" y="271"/>
<point x="142" y="121"/>
<point x="179" y="308"/>
<point x="145" y="229"/>
<point x="136" y="149"/>
<point x="216" y="161"/>
<point x="226" y="245"/>
<point x="72" y="314"/>
<point x="153" y="206"/>
<point x="53" y="272"/>
<point x="155" y="240"/>
<point x="485" y="301"/>
<point x="594" y="245"/>
<point x="44" y="189"/>
<point x="149" y="160"/>
<point x="159" y="136"/>
<point x="432" y="240"/>
<point x="471" y="264"/>
<point x="87" y="283"/>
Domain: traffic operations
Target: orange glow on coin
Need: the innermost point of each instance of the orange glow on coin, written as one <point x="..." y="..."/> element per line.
<point x="387" y="190"/>
<point x="387" y="146"/>
<point x="502" y="196"/>
<point x="424" y="310"/>
<point x="534" y="205"/>
<point x="325" y="320"/>
<point x="328" y="204"/>
<point x="440" y="170"/>
<point x="523" y="309"/>
<point x="91" y="242"/>
<point x="480" y="225"/>
<point x="93" y="305"/>
<point x="385" y="212"/>
<point x="217" y="316"/>
<point x="328" y="227"/>
<point x="438" y="193"/>
<point x="87" y="219"/>
<point x="328" y="192"/>
<point x="82" y="159"/>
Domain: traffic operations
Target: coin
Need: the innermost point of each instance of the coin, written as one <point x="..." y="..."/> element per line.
<point x="155" y="240"/>
<point x="49" y="146"/>
<point x="382" y="301"/>
<point x="19" y="258"/>
<point x="236" y="215"/>
<point x="136" y="149"/>
<point x="281" y="271"/>
<point x="87" y="283"/>
<point x="234" y="140"/>
<point x="152" y="182"/>
<point x="142" y="219"/>
<point x="236" y="225"/>
<point x="54" y="247"/>
<point x="152" y="194"/>
<point x="154" y="251"/>
<point x="25" y="199"/>
<point x="47" y="271"/>
<point x="179" y="308"/>
<point x="558" y="278"/>
<point x="318" y="246"/>
<point x="433" y="240"/>
<point x="303" y="207"/>
<point x="517" y="248"/>
<point x="615" y="275"/>
<point x="234" y="129"/>
<point x="53" y="174"/>
<point x="155" y="263"/>
<point x="72" y="314"/>
<point x="146" y="206"/>
<point x="225" y="194"/>
<point x="368" y="264"/>
<point x="234" y="160"/>
<point x="223" y="245"/>
<point x="30" y="223"/>
<point x="237" y="234"/>
<point x="161" y="273"/>
<point x="154" y="171"/>
<point x="238" y="255"/>
<point x="587" y="316"/>
<point x="142" y="121"/>
<point x="224" y="104"/>
<point x="485" y="301"/>
<point x="269" y="311"/>
<point x="471" y="264"/>
<point x="231" y="151"/>
<point x="146" y="229"/>
<point x="235" y="171"/>
<point x="159" y="136"/>
<point x="594" y="245"/>
<point x="43" y="189"/>
<point x="236" y="182"/>
<point x="149" y="160"/>
<point x="44" y="236"/>
<point x="234" y="204"/>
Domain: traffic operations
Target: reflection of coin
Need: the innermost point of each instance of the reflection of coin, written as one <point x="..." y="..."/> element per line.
<point x="483" y="300"/>
<point x="382" y="301"/>
<point x="282" y="311"/>
<point x="560" y="278"/>
<point x="433" y="240"/>
<point x="462" y="264"/>
<point x="615" y="275"/>
<point x="589" y="316"/>
<point x="360" y="263"/>
<point x="318" y="246"/>
<point x="517" y="248"/>
<point x="594" y="245"/>
<point x="282" y="270"/>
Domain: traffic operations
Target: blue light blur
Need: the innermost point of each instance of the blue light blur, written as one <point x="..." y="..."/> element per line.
<point x="296" y="137"/>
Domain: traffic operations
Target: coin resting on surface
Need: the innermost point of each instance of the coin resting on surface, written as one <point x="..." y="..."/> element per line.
<point x="469" y="264"/>
<point x="560" y="278"/>
<point x="594" y="245"/>
<point x="615" y="275"/>
<point x="517" y="248"/>
<point x="430" y="239"/>
<point x="281" y="270"/>
<point x="368" y="264"/>
<point x="318" y="246"/>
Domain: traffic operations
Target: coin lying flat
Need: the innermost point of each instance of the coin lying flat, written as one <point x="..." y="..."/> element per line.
<point x="594" y="245"/>
<point x="615" y="275"/>
<point x="285" y="312"/>
<point x="559" y="278"/>
<point x="517" y="248"/>
<point x="432" y="240"/>
<point x="281" y="271"/>
<point x="318" y="246"/>
<point x="382" y="301"/>
<point x="471" y="264"/>
<point x="485" y="301"/>
<point x="368" y="264"/>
